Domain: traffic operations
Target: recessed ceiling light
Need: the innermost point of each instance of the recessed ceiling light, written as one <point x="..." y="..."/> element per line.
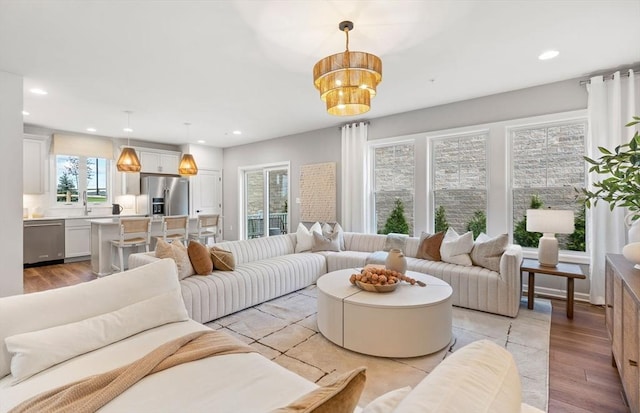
<point x="201" y="141"/>
<point x="128" y="130"/>
<point x="91" y="129"/>
<point x="38" y="91"/>
<point x="25" y="113"/>
<point x="549" y="54"/>
<point x="237" y="132"/>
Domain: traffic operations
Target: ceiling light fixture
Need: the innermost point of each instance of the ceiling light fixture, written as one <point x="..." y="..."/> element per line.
<point x="237" y="132"/>
<point x="128" y="160"/>
<point x="549" y="54"/>
<point x="347" y="81"/>
<point x="188" y="165"/>
<point x="201" y="141"/>
<point x="38" y="91"/>
<point x="91" y="129"/>
<point x="25" y="113"/>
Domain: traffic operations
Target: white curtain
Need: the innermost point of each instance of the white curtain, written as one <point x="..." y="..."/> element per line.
<point x="355" y="188"/>
<point x="612" y="103"/>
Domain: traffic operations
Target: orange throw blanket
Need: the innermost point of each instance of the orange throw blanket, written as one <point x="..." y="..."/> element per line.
<point x="91" y="393"/>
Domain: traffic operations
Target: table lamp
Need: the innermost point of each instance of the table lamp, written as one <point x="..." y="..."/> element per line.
<point x="549" y="222"/>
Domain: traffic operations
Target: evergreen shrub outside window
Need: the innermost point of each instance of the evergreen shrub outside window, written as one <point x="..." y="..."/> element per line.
<point x="75" y="174"/>
<point x="460" y="183"/>
<point x="547" y="166"/>
<point x="393" y="181"/>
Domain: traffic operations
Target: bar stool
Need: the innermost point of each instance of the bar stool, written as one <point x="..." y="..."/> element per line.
<point x="134" y="232"/>
<point x="174" y="228"/>
<point x="207" y="228"/>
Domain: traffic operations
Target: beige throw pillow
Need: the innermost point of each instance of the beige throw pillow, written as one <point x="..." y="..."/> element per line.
<point x="340" y="396"/>
<point x="488" y="251"/>
<point x="430" y="244"/>
<point x="222" y="259"/>
<point x="200" y="258"/>
<point x="178" y="253"/>
<point x="326" y="242"/>
<point x="455" y="248"/>
<point x="328" y="230"/>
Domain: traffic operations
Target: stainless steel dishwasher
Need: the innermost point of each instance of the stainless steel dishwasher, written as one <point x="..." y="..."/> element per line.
<point x="43" y="241"/>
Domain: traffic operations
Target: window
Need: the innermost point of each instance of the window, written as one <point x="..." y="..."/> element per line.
<point x="266" y="194"/>
<point x="393" y="174"/>
<point x="75" y="174"/>
<point x="460" y="183"/>
<point x="547" y="164"/>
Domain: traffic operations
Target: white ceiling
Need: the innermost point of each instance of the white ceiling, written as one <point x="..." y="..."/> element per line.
<point x="246" y="65"/>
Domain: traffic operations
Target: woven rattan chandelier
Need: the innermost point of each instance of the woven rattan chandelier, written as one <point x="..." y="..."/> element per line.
<point x="347" y="81"/>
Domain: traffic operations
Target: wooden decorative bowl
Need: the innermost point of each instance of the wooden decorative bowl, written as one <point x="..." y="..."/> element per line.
<point x="377" y="288"/>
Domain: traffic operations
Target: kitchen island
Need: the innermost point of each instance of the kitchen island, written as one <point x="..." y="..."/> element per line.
<point x="104" y="230"/>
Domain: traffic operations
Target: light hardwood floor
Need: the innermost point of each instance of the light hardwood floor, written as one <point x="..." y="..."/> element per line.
<point x="581" y="377"/>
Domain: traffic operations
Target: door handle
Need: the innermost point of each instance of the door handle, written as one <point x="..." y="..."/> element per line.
<point x="43" y="225"/>
<point x="633" y="363"/>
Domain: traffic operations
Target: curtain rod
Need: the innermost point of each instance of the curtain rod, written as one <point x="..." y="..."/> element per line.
<point x="356" y="123"/>
<point x="636" y="71"/>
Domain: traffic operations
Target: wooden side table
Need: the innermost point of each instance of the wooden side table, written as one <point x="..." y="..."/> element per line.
<point x="571" y="271"/>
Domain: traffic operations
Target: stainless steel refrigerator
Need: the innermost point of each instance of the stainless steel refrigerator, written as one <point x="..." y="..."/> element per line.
<point x="163" y="195"/>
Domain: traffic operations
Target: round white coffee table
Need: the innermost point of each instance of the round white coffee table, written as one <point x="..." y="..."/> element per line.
<point x="408" y="322"/>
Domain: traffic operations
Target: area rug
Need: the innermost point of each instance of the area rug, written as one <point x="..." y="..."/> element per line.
<point x="285" y="331"/>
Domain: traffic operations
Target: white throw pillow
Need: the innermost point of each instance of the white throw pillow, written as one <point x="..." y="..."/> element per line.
<point x="304" y="236"/>
<point x="487" y="252"/>
<point x="387" y="402"/>
<point x="328" y="230"/>
<point x="38" y="350"/>
<point x="455" y="248"/>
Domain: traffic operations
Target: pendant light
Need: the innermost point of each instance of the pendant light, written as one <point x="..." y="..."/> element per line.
<point x="347" y="81"/>
<point x="128" y="160"/>
<point x="188" y="165"/>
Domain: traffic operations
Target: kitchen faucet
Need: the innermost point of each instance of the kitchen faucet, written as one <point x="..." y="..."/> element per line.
<point x="84" y="203"/>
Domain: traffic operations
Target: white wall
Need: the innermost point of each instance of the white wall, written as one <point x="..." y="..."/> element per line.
<point x="11" y="170"/>
<point x="206" y="157"/>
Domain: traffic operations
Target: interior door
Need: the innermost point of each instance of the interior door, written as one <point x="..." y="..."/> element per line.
<point x="207" y="192"/>
<point x="266" y="202"/>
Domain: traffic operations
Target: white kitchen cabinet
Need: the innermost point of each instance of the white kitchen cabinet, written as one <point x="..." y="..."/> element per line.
<point x="34" y="162"/>
<point x="77" y="238"/>
<point x="159" y="162"/>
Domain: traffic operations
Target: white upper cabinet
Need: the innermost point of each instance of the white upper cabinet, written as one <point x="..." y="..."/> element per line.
<point x="34" y="164"/>
<point x="159" y="162"/>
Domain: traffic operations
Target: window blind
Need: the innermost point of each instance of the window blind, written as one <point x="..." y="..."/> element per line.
<point x="78" y="145"/>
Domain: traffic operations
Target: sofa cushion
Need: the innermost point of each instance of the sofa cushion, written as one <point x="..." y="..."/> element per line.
<point x="397" y="241"/>
<point x="200" y="258"/>
<point x="480" y="377"/>
<point x="304" y="236"/>
<point x="329" y="242"/>
<point x="488" y="251"/>
<point x="339" y="396"/>
<point x="387" y="402"/>
<point x="430" y="244"/>
<point x="222" y="260"/>
<point x="38" y="350"/>
<point x="257" y="249"/>
<point x="346" y="259"/>
<point x="455" y="248"/>
<point x="179" y="254"/>
<point x="31" y="312"/>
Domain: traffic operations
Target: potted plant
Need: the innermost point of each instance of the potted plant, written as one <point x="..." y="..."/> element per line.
<point x="621" y="188"/>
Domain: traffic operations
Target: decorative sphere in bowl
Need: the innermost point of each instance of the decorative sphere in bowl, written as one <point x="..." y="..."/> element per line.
<point x="631" y="252"/>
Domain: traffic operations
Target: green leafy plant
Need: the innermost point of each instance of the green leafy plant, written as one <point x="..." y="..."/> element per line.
<point x="396" y="222"/>
<point x="621" y="188"/>
<point x="441" y="223"/>
<point x="577" y="240"/>
<point x="520" y="234"/>
<point x="478" y="223"/>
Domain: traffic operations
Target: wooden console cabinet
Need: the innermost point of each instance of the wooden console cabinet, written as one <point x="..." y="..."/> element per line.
<point x="622" y="297"/>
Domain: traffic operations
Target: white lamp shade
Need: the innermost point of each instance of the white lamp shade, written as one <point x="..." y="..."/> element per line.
<point x="550" y="221"/>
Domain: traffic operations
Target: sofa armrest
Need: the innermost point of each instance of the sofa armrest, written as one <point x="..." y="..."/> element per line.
<point x="510" y="274"/>
<point x="141" y="258"/>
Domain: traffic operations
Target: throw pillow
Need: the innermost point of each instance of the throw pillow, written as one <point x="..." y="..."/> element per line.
<point x="455" y="248"/>
<point x="222" y="259"/>
<point x="340" y="396"/>
<point x="488" y="251"/>
<point x="304" y="236"/>
<point x="328" y="230"/>
<point x="178" y="253"/>
<point x="387" y="402"/>
<point x="430" y="244"/>
<point x="200" y="258"/>
<point x="326" y="242"/>
<point x="393" y="240"/>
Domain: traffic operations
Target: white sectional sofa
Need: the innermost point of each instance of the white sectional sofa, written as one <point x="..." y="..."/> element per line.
<point x="53" y="328"/>
<point x="268" y="267"/>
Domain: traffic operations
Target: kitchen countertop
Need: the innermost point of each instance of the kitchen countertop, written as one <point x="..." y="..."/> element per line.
<point x="89" y="217"/>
